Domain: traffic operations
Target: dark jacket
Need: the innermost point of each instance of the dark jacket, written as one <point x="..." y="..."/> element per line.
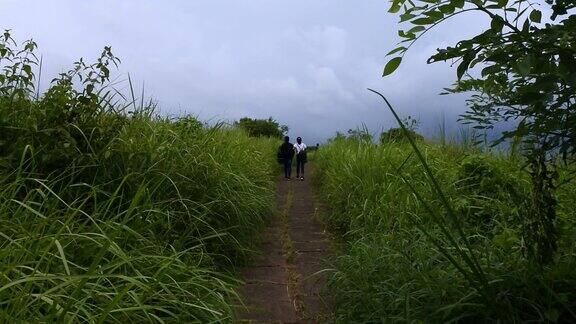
<point x="285" y="152"/>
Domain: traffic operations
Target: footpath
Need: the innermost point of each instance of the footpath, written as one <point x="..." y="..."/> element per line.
<point x="285" y="284"/>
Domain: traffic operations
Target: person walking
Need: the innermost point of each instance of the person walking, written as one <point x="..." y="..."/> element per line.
<point x="286" y="154"/>
<point x="300" y="149"/>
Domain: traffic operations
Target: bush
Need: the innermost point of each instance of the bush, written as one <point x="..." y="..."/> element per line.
<point x="398" y="135"/>
<point x="492" y="195"/>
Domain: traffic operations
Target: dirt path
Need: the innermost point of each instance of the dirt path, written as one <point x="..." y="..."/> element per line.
<point x="283" y="285"/>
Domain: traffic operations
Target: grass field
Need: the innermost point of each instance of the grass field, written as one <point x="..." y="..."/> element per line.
<point x="404" y="259"/>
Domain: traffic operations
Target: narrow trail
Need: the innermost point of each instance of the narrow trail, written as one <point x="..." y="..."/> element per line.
<point x="283" y="285"/>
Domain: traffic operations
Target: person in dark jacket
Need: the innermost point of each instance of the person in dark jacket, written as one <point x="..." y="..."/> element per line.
<point x="286" y="154"/>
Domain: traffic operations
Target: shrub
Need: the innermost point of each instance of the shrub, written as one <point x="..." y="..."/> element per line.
<point x="491" y="194"/>
<point x="397" y="135"/>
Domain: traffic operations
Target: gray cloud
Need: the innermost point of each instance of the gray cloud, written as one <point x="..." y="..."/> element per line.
<point x="305" y="63"/>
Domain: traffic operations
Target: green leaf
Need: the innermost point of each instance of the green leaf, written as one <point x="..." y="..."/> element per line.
<point x="422" y="21"/>
<point x="536" y="16"/>
<point x="497" y="24"/>
<point x="416" y="29"/>
<point x="463" y="66"/>
<point x="28" y="69"/>
<point x="408" y="36"/>
<point x="84" y="100"/>
<point x="406" y="16"/>
<point x="396" y="50"/>
<point x="457" y="3"/>
<point x="526" y="27"/>
<point x="490" y="70"/>
<point x="525" y="66"/>
<point x="62" y="256"/>
<point x="502" y="3"/>
<point x="391" y="66"/>
<point x="435" y="15"/>
<point x="447" y="9"/>
<point x="395" y="7"/>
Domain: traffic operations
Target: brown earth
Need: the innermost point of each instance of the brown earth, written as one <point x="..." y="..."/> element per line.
<point x="285" y="284"/>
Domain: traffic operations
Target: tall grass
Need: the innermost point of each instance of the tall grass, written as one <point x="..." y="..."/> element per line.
<point x="405" y="257"/>
<point x="140" y="231"/>
<point x="115" y="216"/>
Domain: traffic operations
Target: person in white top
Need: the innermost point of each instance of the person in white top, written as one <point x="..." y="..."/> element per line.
<point x="300" y="149"/>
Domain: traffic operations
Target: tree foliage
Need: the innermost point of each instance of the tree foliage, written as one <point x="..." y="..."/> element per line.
<point x="262" y="127"/>
<point x="520" y="68"/>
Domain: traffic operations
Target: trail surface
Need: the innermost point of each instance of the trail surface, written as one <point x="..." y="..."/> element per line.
<point x="283" y="284"/>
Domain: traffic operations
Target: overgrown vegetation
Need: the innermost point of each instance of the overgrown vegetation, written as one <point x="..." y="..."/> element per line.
<point x="528" y="75"/>
<point x="439" y="234"/>
<point x="404" y="259"/>
<point x="109" y="213"/>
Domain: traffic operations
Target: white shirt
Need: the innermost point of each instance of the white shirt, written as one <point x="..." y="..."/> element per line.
<point x="299" y="147"/>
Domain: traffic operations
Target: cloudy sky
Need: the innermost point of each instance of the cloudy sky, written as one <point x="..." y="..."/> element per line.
<point x="305" y="63"/>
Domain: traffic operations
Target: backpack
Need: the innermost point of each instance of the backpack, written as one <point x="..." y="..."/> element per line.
<point x="304" y="156"/>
